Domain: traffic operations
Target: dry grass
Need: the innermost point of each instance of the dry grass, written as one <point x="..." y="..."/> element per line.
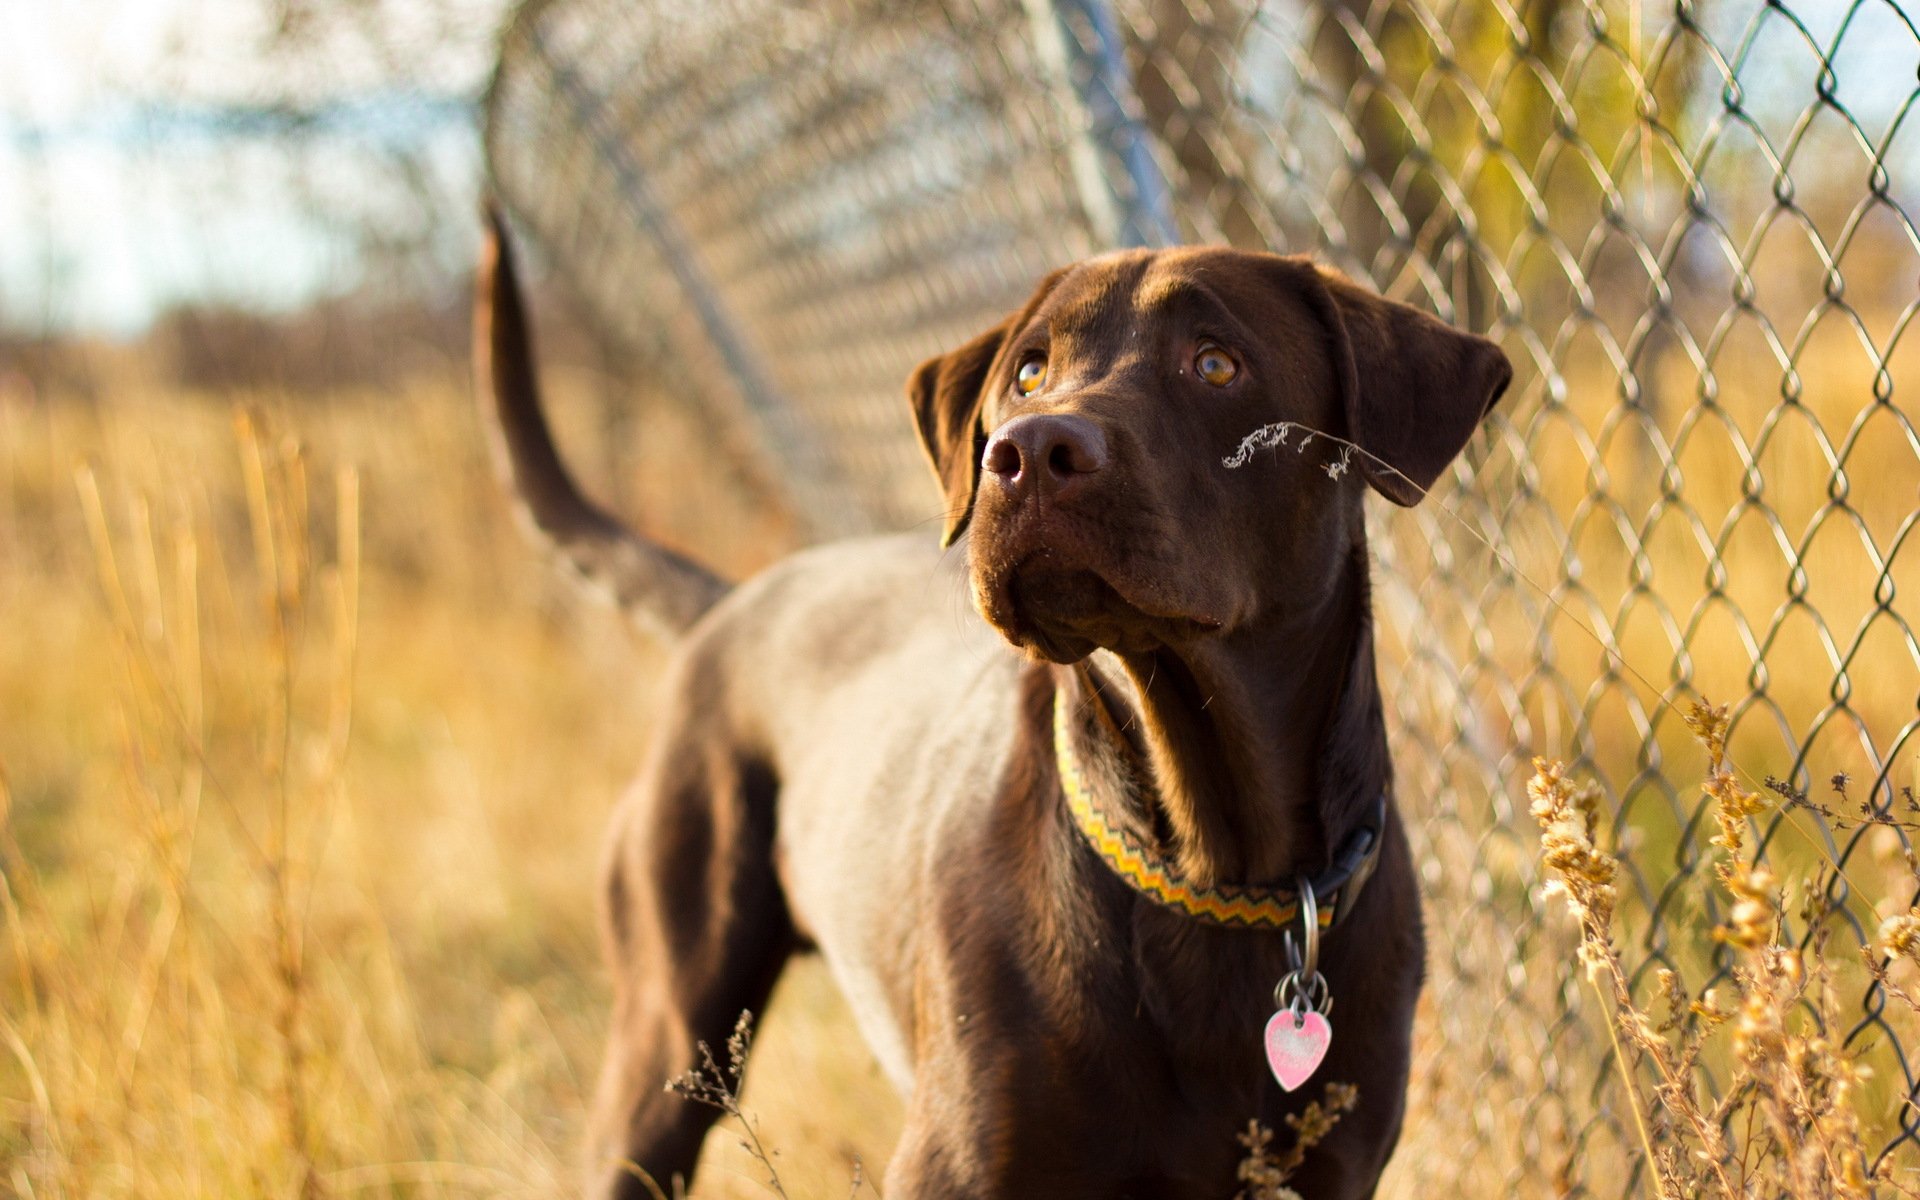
<point x="304" y="767"/>
<point x="1791" y="1115"/>
<point x="306" y="761"/>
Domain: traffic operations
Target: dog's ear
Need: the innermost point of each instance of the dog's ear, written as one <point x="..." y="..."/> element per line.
<point x="1414" y="387"/>
<point x="947" y="394"/>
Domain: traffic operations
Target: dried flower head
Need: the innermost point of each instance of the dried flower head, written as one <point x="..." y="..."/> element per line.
<point x="1260" y="1169"/>
<point x="1709" y="722"/>
<point x="1751" y="921"/>
<point x="1899" y="935"/>
<point x="1733" y="805"/>
<point x="1757" y="1031"/>
<point x="1568" y="815"/>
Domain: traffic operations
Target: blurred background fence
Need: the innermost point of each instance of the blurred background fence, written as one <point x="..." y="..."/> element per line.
<point x="1688" y="224"/>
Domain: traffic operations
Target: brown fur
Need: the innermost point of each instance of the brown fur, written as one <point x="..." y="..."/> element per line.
<point x="851" y="759"/>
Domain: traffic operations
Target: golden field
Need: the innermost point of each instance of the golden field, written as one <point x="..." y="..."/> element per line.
<point x="306" y="754"/>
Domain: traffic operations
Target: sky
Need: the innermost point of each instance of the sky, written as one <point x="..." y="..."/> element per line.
<point x="150" y="152"/>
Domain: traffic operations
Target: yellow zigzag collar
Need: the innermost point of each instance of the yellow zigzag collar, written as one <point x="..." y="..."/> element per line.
<point x="1231" y="905"/>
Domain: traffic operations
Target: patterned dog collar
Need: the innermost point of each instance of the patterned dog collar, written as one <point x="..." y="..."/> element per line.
<point x="1231" y="905"/>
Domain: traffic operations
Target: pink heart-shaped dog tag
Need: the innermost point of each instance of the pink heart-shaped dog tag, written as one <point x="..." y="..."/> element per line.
<point x="1295" y="1046"/>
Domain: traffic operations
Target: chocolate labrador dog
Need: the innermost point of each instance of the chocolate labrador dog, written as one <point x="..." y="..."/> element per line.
<point x="1063" y="805"/>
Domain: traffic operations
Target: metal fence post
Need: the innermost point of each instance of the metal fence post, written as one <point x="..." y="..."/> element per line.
<point x="1125" y="195"/>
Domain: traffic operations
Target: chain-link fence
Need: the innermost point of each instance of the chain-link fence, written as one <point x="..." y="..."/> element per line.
<point x="1688" y="223"/>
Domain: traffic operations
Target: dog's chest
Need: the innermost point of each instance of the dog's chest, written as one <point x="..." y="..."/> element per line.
<point x="1123" y="1048"/>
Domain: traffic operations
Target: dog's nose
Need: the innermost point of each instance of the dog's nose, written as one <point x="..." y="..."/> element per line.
<point x="1052" y="453"/>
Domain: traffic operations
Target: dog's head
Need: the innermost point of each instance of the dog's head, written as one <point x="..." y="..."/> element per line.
<point x="1081" y="439"/>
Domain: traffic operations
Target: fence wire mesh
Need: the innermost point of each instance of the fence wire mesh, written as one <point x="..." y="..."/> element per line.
<point x="1688" y="223"/>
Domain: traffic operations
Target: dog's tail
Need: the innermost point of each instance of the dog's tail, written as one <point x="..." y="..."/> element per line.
<point x="650" y="583"/>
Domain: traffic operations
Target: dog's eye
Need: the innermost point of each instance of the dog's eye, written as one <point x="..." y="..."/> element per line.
<point x="1032" y="373"/>
<point x="1213" y="365"/>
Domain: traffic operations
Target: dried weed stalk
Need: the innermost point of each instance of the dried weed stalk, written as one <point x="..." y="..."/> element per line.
<point x="719" y="1087"/>
<point x="1787" y="1121"/>
<point x="1264" y="1170"/>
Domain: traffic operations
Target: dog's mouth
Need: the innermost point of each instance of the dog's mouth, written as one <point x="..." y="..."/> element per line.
<point x="1064" y="612"/>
